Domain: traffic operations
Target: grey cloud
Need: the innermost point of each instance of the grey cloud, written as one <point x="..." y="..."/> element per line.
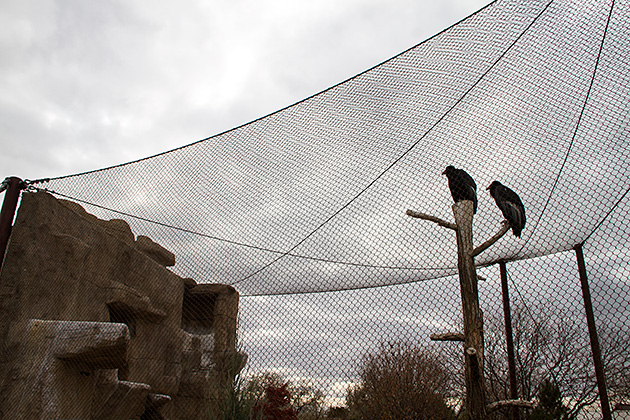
<point x="116" y="81"/>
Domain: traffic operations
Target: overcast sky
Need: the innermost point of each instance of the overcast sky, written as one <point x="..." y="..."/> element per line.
<point x="87" y="84"/>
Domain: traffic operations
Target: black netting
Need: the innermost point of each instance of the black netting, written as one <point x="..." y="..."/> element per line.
<point x="303" y="211"/>
<point x="518" y="93"/>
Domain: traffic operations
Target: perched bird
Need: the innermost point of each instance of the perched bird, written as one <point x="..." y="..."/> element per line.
<point x="462" y="185"/>
<point x="511" y="206"/>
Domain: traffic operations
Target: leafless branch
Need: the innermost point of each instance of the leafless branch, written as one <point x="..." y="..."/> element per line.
<point x="433" y="219"/>
<point x="504" y="228"/>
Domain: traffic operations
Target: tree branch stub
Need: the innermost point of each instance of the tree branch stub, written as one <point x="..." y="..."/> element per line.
<point x="452" y="336"/>
<point x="423" y="216"/>
<point x="504" y="228"/>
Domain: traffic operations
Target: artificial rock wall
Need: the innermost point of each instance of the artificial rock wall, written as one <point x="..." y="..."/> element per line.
<point x="94" y="326"/>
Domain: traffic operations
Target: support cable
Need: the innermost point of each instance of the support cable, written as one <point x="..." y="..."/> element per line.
<point x="272" y="113"/>
<point x="577" y="126"/>
<point x="30" y="187"/>
<point x="611" y="211"/>
<point x="405" y="153"/>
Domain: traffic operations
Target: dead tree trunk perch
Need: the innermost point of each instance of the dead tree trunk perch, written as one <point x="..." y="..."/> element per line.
<point x="475" y="402"/>
<point x="473" y="318"/>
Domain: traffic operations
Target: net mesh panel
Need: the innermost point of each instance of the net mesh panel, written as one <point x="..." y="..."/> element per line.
<point x="303" y="211"/>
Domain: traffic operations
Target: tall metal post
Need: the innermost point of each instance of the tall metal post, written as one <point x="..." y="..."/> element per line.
<point x="507" y="316"/>
<point x="11" y="197"/>
<point x="590" y="320"/>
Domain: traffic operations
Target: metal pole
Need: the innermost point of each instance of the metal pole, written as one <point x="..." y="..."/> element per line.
<point x="509" y="338"/>
<point x="590" y="319"/>
<point x="11" y="196"/>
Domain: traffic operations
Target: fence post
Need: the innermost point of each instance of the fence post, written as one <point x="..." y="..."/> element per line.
<point x="590" y="320"/>
<point x="507" y="315"/>
<point x="9" y="205"/>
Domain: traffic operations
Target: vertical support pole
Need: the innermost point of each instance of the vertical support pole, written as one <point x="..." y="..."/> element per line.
<point x="473" y="318"/>
<point x="507" y="316"/>
<point x="592" y="331"/>
<point x="11" y="197"/>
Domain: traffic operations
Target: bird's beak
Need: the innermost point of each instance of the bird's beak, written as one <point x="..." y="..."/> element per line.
<point x="488" y="188"/>
<point x="444" y="173"/>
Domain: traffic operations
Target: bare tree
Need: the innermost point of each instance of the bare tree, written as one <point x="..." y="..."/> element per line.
<point x="554" y="346"/>
<point x="401" y="381"/>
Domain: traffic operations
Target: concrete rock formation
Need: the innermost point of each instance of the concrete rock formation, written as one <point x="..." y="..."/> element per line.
<point x="93" y="324"/>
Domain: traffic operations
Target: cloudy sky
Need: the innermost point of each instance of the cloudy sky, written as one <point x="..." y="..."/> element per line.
<point x="88" y="86"/>
<point x="85" y="85"/>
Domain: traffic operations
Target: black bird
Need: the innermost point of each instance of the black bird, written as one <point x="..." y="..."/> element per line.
<point x="462" y="185"/>
<point x="511" y="206"/>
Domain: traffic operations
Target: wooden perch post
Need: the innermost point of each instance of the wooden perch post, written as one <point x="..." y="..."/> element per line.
<point x="473" y="319"/>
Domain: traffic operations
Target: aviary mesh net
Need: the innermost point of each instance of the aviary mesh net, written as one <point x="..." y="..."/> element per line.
<point x="303" y="210"/>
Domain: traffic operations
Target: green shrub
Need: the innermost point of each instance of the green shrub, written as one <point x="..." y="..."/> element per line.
<point x="550" y="405"/>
